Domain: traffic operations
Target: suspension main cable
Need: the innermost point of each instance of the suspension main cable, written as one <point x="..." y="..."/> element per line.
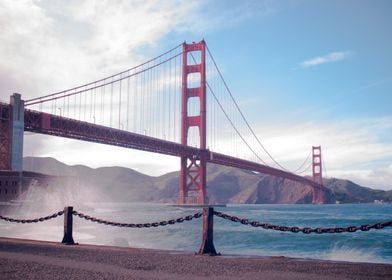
<point x="300" y="167"/>
<point x="103" y="79"/>
<point x="228" y="118"/>
<point x="51" y="97"/>
<point x="239" y="134"/>
<point x="242" y="115"/>
<point x="239" y="110"/>
<point x="306" y="169"/>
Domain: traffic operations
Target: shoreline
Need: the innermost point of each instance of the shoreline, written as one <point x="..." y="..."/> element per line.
<point x="30" y="259"/>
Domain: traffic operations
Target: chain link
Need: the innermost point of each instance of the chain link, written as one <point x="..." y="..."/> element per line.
<point x="305" y="230"/>
<point x="28" y="221"/>
<point x="294" y="229"/>
<point x="144" y="225"/>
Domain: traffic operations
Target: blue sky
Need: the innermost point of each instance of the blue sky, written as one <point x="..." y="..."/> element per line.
<point x="304" y="72"/>
<point x="270" y="50"/>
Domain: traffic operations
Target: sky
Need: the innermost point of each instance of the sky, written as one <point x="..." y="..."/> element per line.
<point x="303" y="72"/>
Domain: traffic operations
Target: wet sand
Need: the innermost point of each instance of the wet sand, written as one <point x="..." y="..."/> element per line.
<point x="27" y="259"/>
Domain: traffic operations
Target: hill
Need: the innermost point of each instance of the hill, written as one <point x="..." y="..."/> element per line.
<point x="225" y="185"/>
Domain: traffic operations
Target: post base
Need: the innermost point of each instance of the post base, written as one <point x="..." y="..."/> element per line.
<point x="207" y="245"/>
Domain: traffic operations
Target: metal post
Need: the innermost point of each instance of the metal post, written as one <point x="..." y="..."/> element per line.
<point x="207" y="244"/>
<point x="68" y="239"/>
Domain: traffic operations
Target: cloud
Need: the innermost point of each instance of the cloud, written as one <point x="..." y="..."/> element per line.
<point x="328" y="58"/>
<point x="357" y="149"/>
<point x="48" y="46"/>
<point x="378" y="177"/>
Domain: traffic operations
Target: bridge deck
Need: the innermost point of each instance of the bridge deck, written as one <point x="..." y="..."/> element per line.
<point x="64" y="127"/>
<point x="43" y="123"/>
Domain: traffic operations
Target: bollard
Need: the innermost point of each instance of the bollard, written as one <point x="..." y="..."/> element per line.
<point x="207" y="244"/>
<point x="68" y="239"/>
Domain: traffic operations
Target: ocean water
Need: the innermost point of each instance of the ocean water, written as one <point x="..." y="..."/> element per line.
<point x="229" y="238"/>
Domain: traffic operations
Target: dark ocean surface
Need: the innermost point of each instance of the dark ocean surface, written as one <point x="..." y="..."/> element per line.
<point x="230" y="238"/>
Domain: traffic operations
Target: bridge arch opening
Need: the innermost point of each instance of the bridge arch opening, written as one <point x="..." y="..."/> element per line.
<point x="194" y="137"/>
<point x="193" y="80"/>
<point x="194" y="57"/>
<point x="193" y="106"/>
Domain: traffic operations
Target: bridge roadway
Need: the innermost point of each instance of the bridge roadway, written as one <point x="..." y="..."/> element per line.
<point x="44" y="123"/>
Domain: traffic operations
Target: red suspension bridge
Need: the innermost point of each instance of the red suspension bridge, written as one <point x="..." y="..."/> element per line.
<point x="175" y="104"/>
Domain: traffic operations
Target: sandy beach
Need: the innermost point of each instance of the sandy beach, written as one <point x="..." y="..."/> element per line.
<point x="27" y="259"/>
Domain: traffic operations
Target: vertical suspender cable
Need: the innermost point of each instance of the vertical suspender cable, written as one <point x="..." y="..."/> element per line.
<point x="95" y="102"/>
<point x="103" y="103"/>
<point x="64" y="111"/>
<point x="75" y="105"/>
<point x="85" y="105"/>
<point x="175" y="95"/>
<point x="169" y="96"/>
<point x="119" y="104"/>
<point x="128" y="101"/>
<point x="111" y="103"/>
<point x="324" y="167"/>
<point x="157" y="106"/>
<point x="164" y="102"/>
<point x="154" y="114"/>
<point x="154" y="94"/>
<point x="135" y="105"/>
<point x="91" y="105"/>
<point x="142" y="102"/>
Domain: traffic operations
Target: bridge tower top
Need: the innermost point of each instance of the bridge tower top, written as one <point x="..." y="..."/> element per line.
<point x="317" y="170"/>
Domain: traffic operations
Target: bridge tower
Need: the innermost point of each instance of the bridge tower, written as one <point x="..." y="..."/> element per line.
<point x="11" y="134"/>
<point x="318" y="196"/>
<point x="193" y="168"/>
<point x="5" y="151"/>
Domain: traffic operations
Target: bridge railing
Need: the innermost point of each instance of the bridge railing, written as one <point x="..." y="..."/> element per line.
<point x="207" y="244"/>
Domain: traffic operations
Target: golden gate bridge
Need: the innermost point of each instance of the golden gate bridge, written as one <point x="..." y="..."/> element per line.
<point x="176" y="104"/>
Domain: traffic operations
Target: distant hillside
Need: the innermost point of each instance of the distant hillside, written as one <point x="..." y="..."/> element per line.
<point x="225" y="185"/>
<point x="103" y="184"/>
<point x="348" y="192"/>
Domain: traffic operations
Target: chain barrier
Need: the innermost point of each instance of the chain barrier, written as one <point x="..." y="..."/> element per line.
<point x="305" y="230"/>
<point x="131" y="225"/>
<point x="28" y="221"/>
